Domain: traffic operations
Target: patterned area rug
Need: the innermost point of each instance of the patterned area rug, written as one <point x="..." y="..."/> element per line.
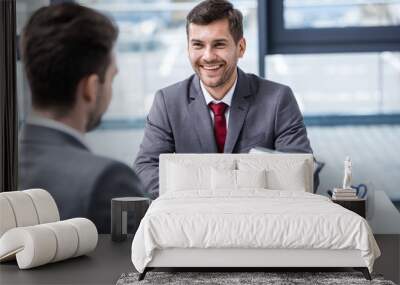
<point x="269" y="278"/>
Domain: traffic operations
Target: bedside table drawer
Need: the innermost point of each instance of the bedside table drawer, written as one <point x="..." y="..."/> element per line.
<point x="357" y="206"/>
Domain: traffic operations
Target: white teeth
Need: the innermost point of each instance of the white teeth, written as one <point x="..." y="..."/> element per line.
<point x="211" y="67"/>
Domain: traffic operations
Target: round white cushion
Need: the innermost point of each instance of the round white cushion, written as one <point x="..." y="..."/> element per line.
<point x="46" y="207"/>
<point x="7" y="218"/>
<point x="87" y="233"/>
<point x="23" y="208"/>
<point x="40" y="244"/>
<point x="26" y="208"/>
<point x="67" y="240"/>
<point x="33" y="246"/>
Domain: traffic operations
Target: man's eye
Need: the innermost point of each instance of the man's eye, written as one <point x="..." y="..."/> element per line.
<point x="197" y="45"/>
<point x="220" y="45"/>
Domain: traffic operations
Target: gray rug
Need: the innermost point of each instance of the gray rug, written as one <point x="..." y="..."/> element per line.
<point x="229" y="278"/>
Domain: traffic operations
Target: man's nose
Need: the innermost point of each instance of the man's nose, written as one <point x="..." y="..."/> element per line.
<point x="209" y="54"/>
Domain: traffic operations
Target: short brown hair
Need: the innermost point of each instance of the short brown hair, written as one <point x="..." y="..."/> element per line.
<point x="209" y="11"/>
<point x="61" y="44"/>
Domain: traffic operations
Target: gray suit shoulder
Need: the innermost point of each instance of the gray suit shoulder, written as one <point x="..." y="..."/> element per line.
<point x="116" y="174"/>
<point x="109" y="165"/>
<point x="109" y="179"/>
<point x="95" y="164"/>
<point x="262" y="85"/>
<point x="176" y="90"/>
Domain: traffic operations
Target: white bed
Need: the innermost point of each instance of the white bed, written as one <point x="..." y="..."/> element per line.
<point x="247" y="210"/>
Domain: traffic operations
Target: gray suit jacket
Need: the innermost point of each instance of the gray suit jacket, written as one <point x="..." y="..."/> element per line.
<point x="262" y="113"/>
<point x="81" y="183"/>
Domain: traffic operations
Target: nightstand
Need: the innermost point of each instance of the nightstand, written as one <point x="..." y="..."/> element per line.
<point x="119" y="215"/>
<point x="357" y="206"/>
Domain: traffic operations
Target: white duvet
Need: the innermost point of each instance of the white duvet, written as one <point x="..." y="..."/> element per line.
<point x="250" y="218"/>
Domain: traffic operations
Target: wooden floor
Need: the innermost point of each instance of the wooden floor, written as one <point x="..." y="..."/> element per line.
<point x="374" y="150"/>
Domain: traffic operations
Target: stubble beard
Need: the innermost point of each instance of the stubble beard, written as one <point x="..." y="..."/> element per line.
<point x="93" y="121"/>
<point x="226" y="75"/>
<point x="94" y="118"/>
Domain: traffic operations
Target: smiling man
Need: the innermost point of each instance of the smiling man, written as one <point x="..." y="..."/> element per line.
<point x="219" y="109"/>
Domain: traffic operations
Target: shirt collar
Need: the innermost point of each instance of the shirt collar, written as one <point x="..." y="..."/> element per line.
<point x="49" y="123"/>
<point x="227" y="99"/>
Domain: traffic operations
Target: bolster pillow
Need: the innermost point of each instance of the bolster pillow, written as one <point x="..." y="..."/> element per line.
<point x="40" y="244"/>
<point x="26" y="208"/>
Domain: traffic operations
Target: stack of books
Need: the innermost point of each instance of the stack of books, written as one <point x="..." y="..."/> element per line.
<point x="344" y="194"/>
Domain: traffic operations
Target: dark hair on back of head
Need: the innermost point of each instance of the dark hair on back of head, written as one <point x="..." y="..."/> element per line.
<point x="62" y="44"/>
<point x="212" y="10"/>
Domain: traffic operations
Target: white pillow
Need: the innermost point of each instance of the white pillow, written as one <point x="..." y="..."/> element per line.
<point x="281" y="174"/>
<point x="251" y="178"/>
<point x="183" y="176"/>
<point x="225" y="179"/>
<point x="290" y="179"/>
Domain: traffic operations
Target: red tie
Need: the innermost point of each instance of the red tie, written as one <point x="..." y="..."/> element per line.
<point x="219" y="124"/>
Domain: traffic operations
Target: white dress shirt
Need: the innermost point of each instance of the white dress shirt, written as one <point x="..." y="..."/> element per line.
<point x="227" y="99"/>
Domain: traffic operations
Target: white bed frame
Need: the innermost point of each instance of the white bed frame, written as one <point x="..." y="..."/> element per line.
<point x="251" y="258"/>
<point x="234" y="257"/>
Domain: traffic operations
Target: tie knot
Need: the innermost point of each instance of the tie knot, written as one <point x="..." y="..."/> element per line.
<point x="218" y="109"/>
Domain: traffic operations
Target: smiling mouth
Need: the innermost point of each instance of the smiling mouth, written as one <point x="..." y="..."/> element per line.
<point x="211" y="67"/>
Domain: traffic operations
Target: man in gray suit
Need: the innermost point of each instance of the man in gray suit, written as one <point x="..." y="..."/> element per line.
<point x="70" y="65"/>
<point x="219" y="108"/>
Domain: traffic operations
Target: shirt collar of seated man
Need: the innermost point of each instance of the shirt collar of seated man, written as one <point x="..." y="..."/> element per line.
<point x="227" y="99"/>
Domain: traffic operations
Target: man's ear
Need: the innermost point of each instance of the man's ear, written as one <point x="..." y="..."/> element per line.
<point x="90" y="88"/>
<point x="242" y="47"/>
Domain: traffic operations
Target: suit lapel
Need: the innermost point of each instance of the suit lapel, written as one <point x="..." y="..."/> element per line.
<point x="199" y="115"/>
<point x="238" y="111"/>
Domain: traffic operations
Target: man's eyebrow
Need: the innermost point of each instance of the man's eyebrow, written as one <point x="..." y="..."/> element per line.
<point x="220" y="40"/>
<point x="214" y="41"/>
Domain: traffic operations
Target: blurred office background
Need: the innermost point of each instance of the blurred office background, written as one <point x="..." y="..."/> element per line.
<point x="340" y="57"/>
